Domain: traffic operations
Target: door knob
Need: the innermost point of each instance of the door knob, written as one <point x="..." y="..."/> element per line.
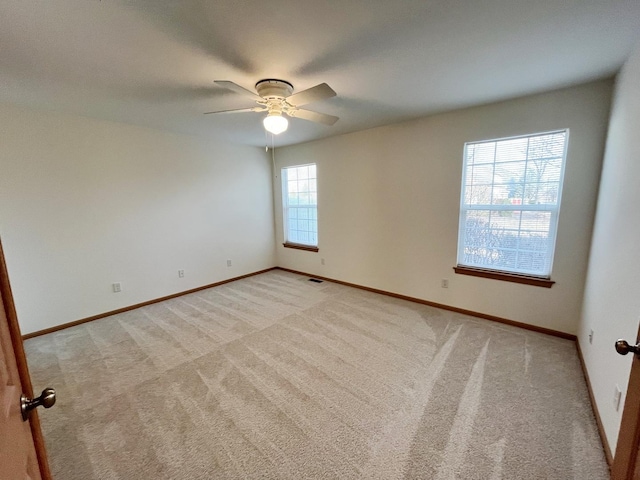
<point x="46" y="399"/>
<point x="622" y="347"/>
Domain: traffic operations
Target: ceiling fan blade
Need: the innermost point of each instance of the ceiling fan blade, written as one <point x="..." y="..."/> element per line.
<point x="240" y="110"/>
<point x="238" y="89"/>
<point x="313" y="94"/>
<point x="313" y="116"/>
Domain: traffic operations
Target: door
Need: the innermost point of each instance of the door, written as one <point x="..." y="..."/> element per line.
<point x="22" y="452"/>
<point x="625" y="465"/>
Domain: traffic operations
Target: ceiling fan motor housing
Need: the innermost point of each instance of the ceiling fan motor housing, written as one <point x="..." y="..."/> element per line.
<point x="272" y="88"/>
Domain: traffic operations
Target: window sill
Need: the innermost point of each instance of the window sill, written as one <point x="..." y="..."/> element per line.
<point x="297" y="246"/>
<point x="504" y="276"/>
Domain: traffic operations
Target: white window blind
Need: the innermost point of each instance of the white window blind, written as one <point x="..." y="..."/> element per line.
<point x="300" y="203"/>
<point x="511" y="190"/>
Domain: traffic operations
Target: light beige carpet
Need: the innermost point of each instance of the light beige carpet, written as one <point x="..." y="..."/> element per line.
<point x="274" y="376"/>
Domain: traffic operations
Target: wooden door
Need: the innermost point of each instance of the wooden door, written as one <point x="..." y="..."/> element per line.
<point x="22" y="452"/>
<point x="625" y="465"/>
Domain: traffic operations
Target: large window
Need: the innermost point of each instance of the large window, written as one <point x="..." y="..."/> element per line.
<point x="300" y="203"/>
<point x="511" y="191"/>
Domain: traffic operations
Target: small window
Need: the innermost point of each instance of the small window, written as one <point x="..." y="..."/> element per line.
<point x="300" y="203"/>
<point x="511" y="190"/>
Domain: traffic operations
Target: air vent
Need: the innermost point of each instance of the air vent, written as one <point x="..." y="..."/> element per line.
<point x="315" y="280"/>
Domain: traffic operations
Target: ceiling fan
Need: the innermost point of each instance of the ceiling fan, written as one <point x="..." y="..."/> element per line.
<point x="276" y="97"/>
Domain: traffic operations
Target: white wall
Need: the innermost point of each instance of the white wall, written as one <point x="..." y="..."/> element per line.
<point x="85" y="203"/>
<point x="389" y="201"/>
<point x="612" y="292"/>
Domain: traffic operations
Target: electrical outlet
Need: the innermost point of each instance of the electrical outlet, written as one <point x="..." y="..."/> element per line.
<point x="117" y="287"/>
<point x="180" y="273"/>
<point x="445" y="283"/>
<point x="322" y="261"/>
<point x="617" y="394"/>
<point x="591" y="336"/>
<point x="228" y="263"/>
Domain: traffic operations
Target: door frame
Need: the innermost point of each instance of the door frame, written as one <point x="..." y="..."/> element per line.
<point x="625" y="459"/>
<point x="23" y="369"/>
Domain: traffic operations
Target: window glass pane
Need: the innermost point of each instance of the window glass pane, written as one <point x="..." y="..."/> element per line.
<point x="536" y="221"/>
<point x="498" y="177"/>
<point x="482" y="153"/>
<point x="481" y="174"/>
<point x="540" y="171"/>
<point x="300" y="201"/>
<point x="533" y="241"/>
<point x="479" y="194"/>
<point x="511" y="150"/>
<point x="542" y="193"/>
<point x="500" y="194"/>
<point x="544" y="170"/>
<point x="545" y="146"/>
<point x="509" y="172"/>
<point x="495" y="239"/>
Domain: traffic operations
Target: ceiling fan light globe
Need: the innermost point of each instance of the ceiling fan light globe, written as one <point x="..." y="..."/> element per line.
<point x="275" y="124"/>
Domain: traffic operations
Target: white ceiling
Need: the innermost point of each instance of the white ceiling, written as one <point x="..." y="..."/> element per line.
<point x="153" y="62"/>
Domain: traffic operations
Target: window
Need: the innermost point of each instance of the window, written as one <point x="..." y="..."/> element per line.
<point x="511" y="191"/>
<point x="300" y="203"/>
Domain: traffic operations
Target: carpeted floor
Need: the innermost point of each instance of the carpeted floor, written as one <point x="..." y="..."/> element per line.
<point x="274" y="376"/>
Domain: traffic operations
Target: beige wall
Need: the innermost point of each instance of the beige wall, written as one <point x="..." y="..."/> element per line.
<point x="612" y="293"/>
<point x="389" y="200"/>
<point x="85" y="203"/>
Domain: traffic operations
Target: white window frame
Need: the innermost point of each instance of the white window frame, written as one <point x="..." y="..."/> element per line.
<point x="288" y="241"/>
<point x="552" y="209"/>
